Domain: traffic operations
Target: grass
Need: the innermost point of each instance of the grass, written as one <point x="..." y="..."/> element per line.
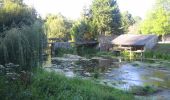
<point x="51" y="86"/>
<point x="105" y="54"/>
<point x="146" y="90"/>
<point x="161" y="51"/>
<point x="162" y="48"/>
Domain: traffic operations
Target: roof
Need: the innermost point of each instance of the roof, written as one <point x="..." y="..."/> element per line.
<point x="132" y="39"/>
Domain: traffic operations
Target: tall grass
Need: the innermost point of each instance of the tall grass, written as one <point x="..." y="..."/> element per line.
<point x="22" y="45"/>
<point x="51" y="86"/>
<point x="157" y="55"/>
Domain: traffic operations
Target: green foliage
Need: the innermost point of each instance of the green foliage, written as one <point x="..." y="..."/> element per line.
<point x="51" y="86"/>
<point x="15" y="13"/>
<point x="105" y="54"/>
<point x="83" y="30"/>
<point x="57" y="26"/>
<point x="161" y="51"/>
<point x="86" y="51"/>
<point x="135" y="28"/>
<point x="127" y="21"/>
<point x="22" y="46"/>
<point x="125" y="54"/>
<point x="156" y="55"/>
<point x="157" y="21"/>
<point x="60" y="87"/>
<point x="138" y="90"/>
<point x="21" y="34"/>
<point x="61" y="51"/>
<point x="106" y="16"/>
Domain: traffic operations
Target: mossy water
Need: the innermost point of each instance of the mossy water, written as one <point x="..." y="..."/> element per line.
<point x="122" y="75"/>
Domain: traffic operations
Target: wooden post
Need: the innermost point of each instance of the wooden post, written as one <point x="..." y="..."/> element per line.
<point x="130" y="53"/>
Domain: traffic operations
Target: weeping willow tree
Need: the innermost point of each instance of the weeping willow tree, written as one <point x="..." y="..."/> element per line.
<point x="22" y="46"/>
<point x="22" y="36"/>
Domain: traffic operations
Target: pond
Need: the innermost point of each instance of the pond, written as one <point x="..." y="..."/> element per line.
<point x="116" y="73"/>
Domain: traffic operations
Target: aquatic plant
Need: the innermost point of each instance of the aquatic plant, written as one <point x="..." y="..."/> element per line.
<point x="139" y="90"/>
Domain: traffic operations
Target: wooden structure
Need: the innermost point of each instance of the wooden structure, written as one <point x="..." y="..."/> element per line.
<point x="135" y="42"/>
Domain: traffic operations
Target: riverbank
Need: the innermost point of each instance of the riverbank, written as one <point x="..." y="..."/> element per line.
<point x="51" y="86"/>
<point x="161" y="51"/>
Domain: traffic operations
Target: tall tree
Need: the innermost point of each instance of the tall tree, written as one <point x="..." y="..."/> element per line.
<point x="135" y="27"/>
<point x="57" y="26"/>
<point x="83" y="30"/>
<point x="21" y="35"/>
<point x="106" y="16"/>
<point x="15" y="13"/>
<point x="127" y="21"/>
<point x="158" y="20"/>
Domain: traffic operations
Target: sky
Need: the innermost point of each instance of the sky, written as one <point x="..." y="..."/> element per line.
<point x="73" y="8"/>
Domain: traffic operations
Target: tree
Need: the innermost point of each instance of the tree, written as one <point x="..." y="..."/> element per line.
<point x="165" y="4"/>
<point x="106" y="16"/>
<point x="15" y="13"/>
<point x="137" y="19"/>
<point x="136" y="25"/>
<point x="83" y="30"/>
<point x="158" y="21"/>
<point x="21" y="35"/>
<point x="127" y="21"/>
<point x="57" y="26"/>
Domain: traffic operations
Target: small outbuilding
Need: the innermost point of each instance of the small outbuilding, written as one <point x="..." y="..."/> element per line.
<point x="135" y="42"/>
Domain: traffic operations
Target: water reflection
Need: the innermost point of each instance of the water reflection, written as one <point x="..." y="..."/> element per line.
<point x="114" y="73"/>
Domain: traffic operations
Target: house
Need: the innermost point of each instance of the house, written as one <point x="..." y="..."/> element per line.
<point x="135" y="42"/>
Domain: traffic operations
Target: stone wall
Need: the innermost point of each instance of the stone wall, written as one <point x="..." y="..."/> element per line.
<point x="105" y="42"/>
<point x="151" y="43"/>
<point x="65" y="45"/>
<point x="167" y="38"/>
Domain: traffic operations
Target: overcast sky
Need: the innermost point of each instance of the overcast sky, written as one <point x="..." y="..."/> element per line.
<point x="73" y="8"/>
